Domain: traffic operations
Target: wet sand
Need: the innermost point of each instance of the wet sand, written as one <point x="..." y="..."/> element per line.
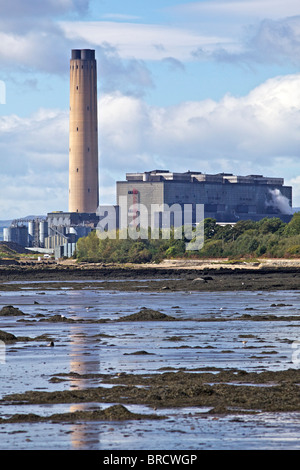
<point x="202" y="277"/>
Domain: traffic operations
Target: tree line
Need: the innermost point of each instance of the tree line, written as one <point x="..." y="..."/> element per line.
<point x="269" y="237"/>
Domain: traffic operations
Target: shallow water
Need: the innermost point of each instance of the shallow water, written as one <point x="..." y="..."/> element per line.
<point x="186" y="343"/>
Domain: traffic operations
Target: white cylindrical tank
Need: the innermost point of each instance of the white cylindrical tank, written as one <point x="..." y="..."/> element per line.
<point x="7" y="235"/>
<point x="31" y="228"/>
<point x="43" y="232"/>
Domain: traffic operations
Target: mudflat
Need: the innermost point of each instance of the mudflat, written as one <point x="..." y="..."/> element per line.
<point x="224" y="392"/>
<point x="171" y="275"/>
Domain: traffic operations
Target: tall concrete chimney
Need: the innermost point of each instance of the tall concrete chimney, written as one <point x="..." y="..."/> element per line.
<point x="83" y="147"/>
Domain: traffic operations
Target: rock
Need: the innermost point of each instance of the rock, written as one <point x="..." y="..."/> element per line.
<point x="9" y="310"/>
<point x="57" y="318"/>
<point x="7" y="337"/>
<point x="112" y="413"/>
<point x="197" y="279"/>
<point x="138" y="353"/>
<point x="147" y="314"/>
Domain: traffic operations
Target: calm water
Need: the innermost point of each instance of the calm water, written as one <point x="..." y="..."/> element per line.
<point x="31" y="365"/>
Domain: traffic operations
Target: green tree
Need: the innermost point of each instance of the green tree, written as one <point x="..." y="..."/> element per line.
<point x="210" y="228"/>
<point x="293" y="227"/>
<point x="273" y="225"/>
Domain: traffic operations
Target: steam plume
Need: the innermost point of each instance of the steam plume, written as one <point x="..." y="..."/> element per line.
<point x="279" y="201"/>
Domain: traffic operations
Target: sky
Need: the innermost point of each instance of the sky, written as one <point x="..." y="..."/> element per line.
<point x="211" y="86"/>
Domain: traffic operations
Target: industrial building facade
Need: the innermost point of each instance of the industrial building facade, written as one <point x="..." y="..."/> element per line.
<point x="225" y="197"/>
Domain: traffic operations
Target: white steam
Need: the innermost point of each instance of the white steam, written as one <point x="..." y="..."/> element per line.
<point x="279" y="201"/>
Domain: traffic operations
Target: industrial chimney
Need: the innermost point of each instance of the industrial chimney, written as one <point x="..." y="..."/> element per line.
<point x="83" y="147"/>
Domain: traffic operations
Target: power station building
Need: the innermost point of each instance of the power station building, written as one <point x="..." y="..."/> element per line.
<point x="225" y="197"/>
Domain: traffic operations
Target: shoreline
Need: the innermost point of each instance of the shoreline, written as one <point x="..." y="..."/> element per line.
<point x="172" y="275"/>
<point x="226" y="392"/>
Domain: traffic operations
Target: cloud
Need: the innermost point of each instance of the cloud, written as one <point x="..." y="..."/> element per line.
<point x="34" y="163"/>
<point x="38" y="8"/>
<point x="295" y="183"/>
<point x="31" y="39"/>
<point x="120" y="17"/>
<point x="173" y="64"/>
<point x="33" y="194"/>
<point x="268" y="42"/>
<point x="35" y="51"/>
<point x="128" y="76"/>
<point x="238" y="134"/>
<point x="255" y="133"/>
<point x="38" y="143"/>
<point x="277" y="41"/>
<point x="141" y="41"/>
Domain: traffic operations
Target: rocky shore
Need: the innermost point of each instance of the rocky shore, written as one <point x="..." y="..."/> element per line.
<point x="231" y="392"/>
<point x="191" y="276"/>
<point x="224" y="392"/>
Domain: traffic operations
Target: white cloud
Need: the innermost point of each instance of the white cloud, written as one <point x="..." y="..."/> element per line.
<point x="38" y="141"/>
<point x="295" y="183"/>
<point x="33" y="194"/>
<point x="256" y="133"/>
<point x="34" y="50"/>
<point x="33" y="163"/>
<point x="141" y="41"/>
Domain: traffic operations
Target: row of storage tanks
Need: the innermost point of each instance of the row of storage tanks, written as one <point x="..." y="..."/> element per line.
<point x="32" y="235"/>
<point x="38" y="233"/>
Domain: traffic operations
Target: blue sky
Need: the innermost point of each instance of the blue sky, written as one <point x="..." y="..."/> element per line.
<point x="211" y="85"/>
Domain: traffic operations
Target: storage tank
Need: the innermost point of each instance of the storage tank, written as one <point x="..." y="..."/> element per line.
<point x="43" y="233"/>
<point x="31" y="228"/>
<point x="7" y="234"/>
